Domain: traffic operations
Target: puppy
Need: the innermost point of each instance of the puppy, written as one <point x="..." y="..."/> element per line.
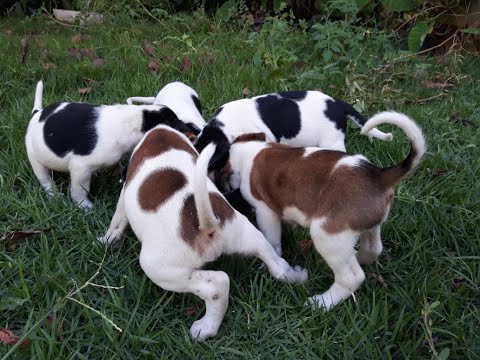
<point x="182" y="99"/>
<point x="339" y="197"/>
<point x="81" y="138"/>
<point x="183" y="222"/>
<point x="296" y="118"/>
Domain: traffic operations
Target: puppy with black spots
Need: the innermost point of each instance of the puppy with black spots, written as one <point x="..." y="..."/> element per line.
<point x="183" y="222"/>
<point x="182" y="99"/>
<point x="81" y="138"/>
<point x="340" y="198"/>
<point x="295" y="118"/>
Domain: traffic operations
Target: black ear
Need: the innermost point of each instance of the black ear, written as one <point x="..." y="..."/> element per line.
<point x="213" y="134"/>
<point x="194" y="128"/>
<point x="164" y="115"/>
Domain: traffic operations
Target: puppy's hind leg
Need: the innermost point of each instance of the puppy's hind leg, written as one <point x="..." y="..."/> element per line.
<point x="271" y="226"/>
<point x="41" y="172"/>
<point x="80" y="176"/>
<point x="339" y="253"/>
<point x="370" y="246"/>
<point x="211" y="286"/>
<point x="248" y="240"/>
<point x="118" y="224"/>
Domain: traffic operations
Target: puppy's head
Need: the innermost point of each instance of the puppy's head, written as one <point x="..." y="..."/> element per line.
<point x="165" y="116"/>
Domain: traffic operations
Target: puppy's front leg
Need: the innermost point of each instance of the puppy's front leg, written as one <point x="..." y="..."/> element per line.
<point x="270" y="225"/>
<point x="118" y="224"/>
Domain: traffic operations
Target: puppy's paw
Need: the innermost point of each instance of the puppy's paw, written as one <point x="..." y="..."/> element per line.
<point x="85" y="205"/>
<point x="110" y="237"/>
<point x="296" y="275"/>
<point x="321" y="302"/>
<point x="203" y="329"/>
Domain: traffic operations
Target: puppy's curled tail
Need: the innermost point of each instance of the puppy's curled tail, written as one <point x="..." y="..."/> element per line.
<point x="38" y="103"/>
<point x="394" y="174"/>
<point x="206" y="216"/>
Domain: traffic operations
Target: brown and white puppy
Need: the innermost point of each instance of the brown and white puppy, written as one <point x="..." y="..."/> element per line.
<point x="183" y="222"/>
<point x="339" y="197"/>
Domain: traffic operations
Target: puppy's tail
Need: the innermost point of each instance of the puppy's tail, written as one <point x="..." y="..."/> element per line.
<point x="206" y="216"/>
<point x="360" y="121"/>
<point x="37" y="105"/>
<point x="392" y="175"/>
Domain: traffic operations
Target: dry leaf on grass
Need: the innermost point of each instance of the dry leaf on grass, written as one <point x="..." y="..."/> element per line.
<point x="246" y="92"/>
<point x="429" y="84"/>
<point x="305" y="245"/>
<point x="98" y="62"/>
<point x="299" y="64"/>
<point x="186" y="64"/>
<point x="85" y="90"/>
<point x="439" y="172"/>
<point x="15" y="235"/>
<point x="191" y="311"/>
<point x="77" y="39"/>
<point x="457" y="119"/>
<point x="88" y="52"/>
<point x="148" y="48"/>
<point x="7" y="337"/>
<point x="154" y="66"/>
<point x="74" y="53"/>
<point x="379" y="279"/>
<point x="49" y="66"/>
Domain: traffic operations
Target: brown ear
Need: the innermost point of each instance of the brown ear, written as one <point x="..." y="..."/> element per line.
<point x="251" y="137"/>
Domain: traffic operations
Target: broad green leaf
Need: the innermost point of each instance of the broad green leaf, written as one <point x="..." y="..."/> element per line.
<point x="399" y="5"/>
<point x="417" y="35"/>
<point x="475" y="31"/>
<point x="362" y="3"/>
<point x="223" y="12"/>
<point x="444" y="354"/>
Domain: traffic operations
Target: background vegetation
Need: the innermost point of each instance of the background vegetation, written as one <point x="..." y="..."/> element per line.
<point x="64" y="296"/>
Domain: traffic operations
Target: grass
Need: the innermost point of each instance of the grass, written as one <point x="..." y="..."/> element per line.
<point x="431" y="259"/>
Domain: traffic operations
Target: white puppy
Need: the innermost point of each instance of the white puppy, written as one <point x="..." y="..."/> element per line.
<point x="339" y="197"/>
<point x="81" y="138"/>
<point x="183" y="222"/>
<point x="182" y="99"/>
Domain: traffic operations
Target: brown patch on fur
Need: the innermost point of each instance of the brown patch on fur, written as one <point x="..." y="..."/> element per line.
<point x="222" y="175"/>
<point x="251" y="137"/>
<point x="349" y="197"/>
<point x="189" y="225"/>
<point x="158" y="187"/>
<point x="156" y="143"/>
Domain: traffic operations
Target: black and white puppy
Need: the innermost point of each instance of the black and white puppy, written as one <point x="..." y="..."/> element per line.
<point x="295" y="118"/>
<point x="81" y="138"/>
<point x="182" y="99"/>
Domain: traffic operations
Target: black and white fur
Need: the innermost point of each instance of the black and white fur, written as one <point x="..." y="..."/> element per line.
<point x="81" y="138"/>
<point x="165" y="256"/>
<point x="295" y="118"/>
<point x="182" y="99"/>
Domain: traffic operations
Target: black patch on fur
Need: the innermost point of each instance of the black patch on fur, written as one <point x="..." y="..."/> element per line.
<point x="72" y="129"/>
<point x="216" y="113"/>
<point x="236" y="199"/>
<point x="281" y="115"/>
<point x="212" y="133"/>
<point x="165" y="116"/>
<point x="196" y="100"/>
<point x="48" y="111"/>
<point x="194" y="128"/>
<point x="337" y="112"/>
<point x="293" y="95"/>
<point x="35" y="111"/>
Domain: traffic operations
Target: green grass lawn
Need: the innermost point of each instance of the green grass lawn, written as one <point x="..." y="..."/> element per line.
<point x="428" y="301"/>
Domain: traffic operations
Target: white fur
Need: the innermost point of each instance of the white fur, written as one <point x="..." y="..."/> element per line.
<point x="351" y="161"/>
<point x="173" y="264"/>
<point x="118" y="131"/>
<point x="177" y="96"/>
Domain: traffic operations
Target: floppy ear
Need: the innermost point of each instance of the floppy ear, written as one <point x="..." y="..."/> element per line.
<point x="164" y="115"/>
<point x="222" y="152"/>
<point x="251" y="137"/>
